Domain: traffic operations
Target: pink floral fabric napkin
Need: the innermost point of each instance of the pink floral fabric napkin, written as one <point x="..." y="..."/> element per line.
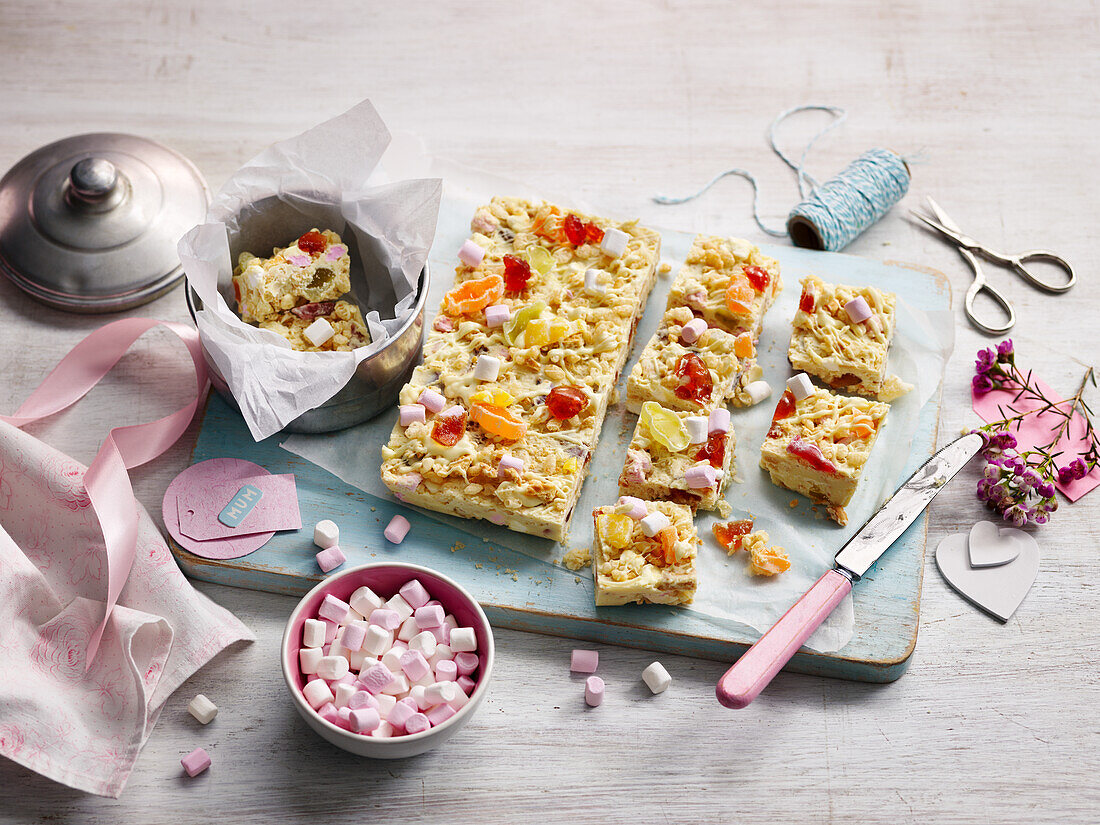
<point x="85" y="729"/>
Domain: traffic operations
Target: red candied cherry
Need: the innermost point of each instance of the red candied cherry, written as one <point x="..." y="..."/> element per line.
<point x="565" y="402"/>
<point x="517" y="272"/>
<point x="313" y="243"/>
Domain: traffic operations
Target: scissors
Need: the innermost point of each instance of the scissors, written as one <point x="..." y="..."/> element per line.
<point x="968" y="246"/>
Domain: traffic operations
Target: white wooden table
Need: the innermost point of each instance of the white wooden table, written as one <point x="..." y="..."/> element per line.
<point x="993" y="723"/>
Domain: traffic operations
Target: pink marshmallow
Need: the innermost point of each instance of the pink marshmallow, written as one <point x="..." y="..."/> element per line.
<point x="497" y="315"/>
<point x="634" y="474"/>
<point x="408" y="482"/>
<point x="417" y="723"/>
<point x="196" y="762"/>
<point x="446" y="670"/>
<point x="299" y="260"/>
<point x="333" y="609"/>
<point x="440" y="714"/>
<point x="414" y="664"/>
<point x="354" y="636"/>
<point x="593" y="691"/>
<point x="385" y="618"/>
<point x="508" y="462"/>
<point x="690" y="332"/>
<point x="471" y="254"/>
<point x="701" y="477"/>
<point x="335" y="252"/>
<point x="466" y="684"/>
<point x="414" y="593"/>
<point x="330" y="558"/>
<point x="400" y="714"/>
<point x="638" y="509"/>
<point x="584" y="661"/>
<point x="330" y="630"/>
<point x="397" y="529"/>
<point x="858" y="310"/>
<point x="411" y="414"/>
<point x="329" y="713"/>
<point x="362" y="699"/>
<point x="318" y="693"/>
<point x="375" y="679"/>
<point x="364" y="720"/>
<point x="442" y="634"/>
<point x="430" y="400"/>
<point x="429" y="616"/>
<point x="467" y="663"/>
<point x="719" y="421"/>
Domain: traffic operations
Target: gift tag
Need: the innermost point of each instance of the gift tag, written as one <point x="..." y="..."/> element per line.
<point x="996" y="590"/>
<point x="990" y="546"/>
<point x="207" y="507"/>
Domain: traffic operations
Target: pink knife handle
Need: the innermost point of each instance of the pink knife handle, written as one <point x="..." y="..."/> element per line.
<point x="758" y="665"/>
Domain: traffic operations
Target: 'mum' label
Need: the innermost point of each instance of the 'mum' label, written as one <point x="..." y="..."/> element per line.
<point x="240" y="506"/>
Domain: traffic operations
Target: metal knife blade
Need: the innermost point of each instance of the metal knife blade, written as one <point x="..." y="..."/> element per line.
<point x="901" y="509"/>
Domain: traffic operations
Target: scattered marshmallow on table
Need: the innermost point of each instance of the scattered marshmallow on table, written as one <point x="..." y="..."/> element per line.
<point x="656" y="678"/>
<point x="800" y="386"/>
<point x="330" y="558"/>
<point x="196" y="762"/>
<point x="584" y="661"/>
<point x="326" y="534"/>
<point x="397" y="529"/>
<point x="202" y="709"/>
<point x="593" y="691"/>
<point x="758" y="391"/>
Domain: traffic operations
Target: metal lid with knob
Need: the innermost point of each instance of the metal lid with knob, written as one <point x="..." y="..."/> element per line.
<point x="90" y="223"/>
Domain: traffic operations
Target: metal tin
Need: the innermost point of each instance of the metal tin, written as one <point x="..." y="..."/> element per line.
<point x="90" y="223"/>
<point x="377" y="380"/>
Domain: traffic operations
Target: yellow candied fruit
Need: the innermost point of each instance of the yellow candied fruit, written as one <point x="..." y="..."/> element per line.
<point x="743" y="346"/>
<point x="537" y="333"/>
<point x="493" y="396"/>
<point x="570" y="465"/>
<point x="538" y="257"/>
<point x="517" y="326"/>
<point x="616" y="529"/>
<point x="665" y="426"/>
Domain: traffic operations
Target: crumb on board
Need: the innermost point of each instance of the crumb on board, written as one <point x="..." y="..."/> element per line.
<point x="457" y="546"/>
<point x="372" y="509"/>
<point x="577" y="579"/>
<point x="794" y="503"/>
<point x="664" y="268"/>
<point x="765" y="559"/>
<point x="724" y="508"/>
<point x="577" y="558"/>
<point x="478" y="565"/>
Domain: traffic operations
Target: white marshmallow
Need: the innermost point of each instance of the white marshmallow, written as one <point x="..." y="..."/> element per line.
<point x="460" y="700"/>
<point x="202" y="709"/>
<point x="308" y="659"/>
<point x="487" y="368"/>
<point x="656" y="678"/>
<point x="364" y="600"/>
<point x="385" y="703"/>
<point x="758" y="391"/>
<point x="317" y="693"/>
<point x="424" y="642"/>
<point x="697" y="427"/>
<point x="652" y="524"/>
<point x="343" y="693"/>
<point x="416" y="693"/>
<point x="463" y="640"/>
<point x="378" y="640"/>
<point x="450" y="621"/>
<point x="800" y="386"/>
<point x="337" y="649"/>
<point x="409" y="628"/>
<point x="442" y="652"/>
<point x="592" y="283"/>
<point x="398" y="687"/>
<point x="332" y="667"/>
<point x="398" y="603"/>
<point x="319" y="332"/>
<point x="424" y="681"/>
<point x="360" y="658"/>
<point x="614" y="242"/>
<point x="326" y="534"/>
<point x="442" y="693"/>
<point x="253" y="276"/>
<point x="383" y="731"/>
<point x="392" y="659"/>
<point x="313" y="633"/>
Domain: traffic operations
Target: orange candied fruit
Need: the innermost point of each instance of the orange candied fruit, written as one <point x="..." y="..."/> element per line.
<point x="615" y="529"/>
<point x="863" y="426"/>
<point x="739" y="295"/>
<point x="667" y="537"/>
<point x="498" y="421"/>
<point x="473" y="296"/>
<point x="313" y="243"/>
<point x="729" y="535"/>
<point x="768" y="561"/>
<point x="743" y="347"/>
<point x="448" y="429"/>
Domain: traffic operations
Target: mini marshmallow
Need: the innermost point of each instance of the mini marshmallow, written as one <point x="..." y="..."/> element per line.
<point x="466" y="684"/>
<point x="397" y="529"/>
<point x="326" y="534"/>
<point x="362" y="699"/>
<point x="411" y="414"/>
<point x="424" y="681"/>
<point x="354" y="635"/>
<point x="202" y="709"/>
<point x="317" y="693"/>
<point x="497" y="315"/>
<point x="638" y="509"/>
<point x="385" y="703"/>
<point x="414" y="664"/>
<point x="417" y="723"/>
<point x="442" y="652"/>
<point x="392" y="659"/>
<point x="583" y="661"/>
<point x="308" y="659"/>
<point x="431" y="400"/>
<point x="397" y="602"/>
<point x="330" y="558"/>
<point x="508" y="462"/>
<point x="400" y="715"/>
<point x="329" y="712"/>
<point x="332" y="667"/>
<point x="345" y="716"/>
<point x="428" y="616"/>
<point x="377" y="640"/>
<point x="441" y="692"/>
<point x="319" y="332"/>
<point x="614" y="242"/>
<point x="408" y="629"/>
<point x="331" y="629"/>
<point x="697" y="429"/>
<point x="358" y="659"/>
<point x="313" y="633"/>
<point x="364" y="600"/>
<point x="446" y="670"/>
<point x="800" y="386"/>
<point x="656" y="678"/>
<point x="592" y="283"/>
<point x="471" y="254"/>
<point x="690" y="332"/>
<point x="253" y="276"/>
<point x="440" y="714"/>
<point x="364" y="719"/>
<point x="333" y="609"/>
<point x="442" y="634"/>
<point x="463" y="640"/>
<point x="337" y="649"/>
<point x="386" y="618"/>
<point x="375" y="679"/>
<point x="424" y="643"/>
<point x="414" y="594"/>
<point x="399" y="686"/>
<point x="719" y="421"/>
<point x="196" y="762"/>
<point x="700" y="477"/>
<point x="416" y="693"/>
<point x="461" y="699"/>
<point x="858" y="310"/>
<point x="343" y="694"/>
<point x="466" y="663"/>
<point x="653" y="524"/>
<point x="758" y="391"/>
<point x="593" y="691"/>
<point x="487" y="368"/>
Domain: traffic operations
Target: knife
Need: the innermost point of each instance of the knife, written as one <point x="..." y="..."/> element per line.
<point x="758" y="665"/>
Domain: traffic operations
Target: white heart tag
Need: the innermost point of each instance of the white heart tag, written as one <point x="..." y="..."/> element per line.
<point x="990" y="546"/>
<point x="996" y="590"/>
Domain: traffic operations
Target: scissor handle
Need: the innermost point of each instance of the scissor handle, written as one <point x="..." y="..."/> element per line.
<point x="979" y="285"/>
<point x="1019" y="263"/>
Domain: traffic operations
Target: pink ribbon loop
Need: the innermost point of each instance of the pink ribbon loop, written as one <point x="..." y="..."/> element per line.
<point x="107" y="482"/>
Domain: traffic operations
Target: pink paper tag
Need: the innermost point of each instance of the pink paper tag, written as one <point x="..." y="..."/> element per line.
<point x="1039" y="429"/>
<point x="277" y="509"/>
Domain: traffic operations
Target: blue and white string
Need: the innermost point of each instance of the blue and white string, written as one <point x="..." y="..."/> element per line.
<point x="833" y="214"/>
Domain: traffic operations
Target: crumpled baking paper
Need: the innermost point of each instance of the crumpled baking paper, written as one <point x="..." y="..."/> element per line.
<point x="325" y="174"/>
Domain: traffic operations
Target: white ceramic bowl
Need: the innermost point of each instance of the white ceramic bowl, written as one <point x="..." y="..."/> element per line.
<point x="384" y="579"/>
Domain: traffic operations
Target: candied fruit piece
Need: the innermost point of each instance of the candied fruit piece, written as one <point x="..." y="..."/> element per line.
<point x="538" y="257"/>
<point x="616" y="529"/>
<point x="574" y="229"/>
<point x="544" y="223"/>
<point x="517" y="325"/>
<point x="863" y="425"/>
<point x="592" y="233"/>
<point x="812" y="455"/>
<point x="448" y="429"/>
<point x="566" y="402"/>
<point x="695" y="381"/>
<point x="537" y="333"/>
<point x="517" y="272"/>
<point x="785" y="406"/>
<point x="739" y="295"/>
<point x="807" y="301"/>
<point x="768" y="561"/>
<point x="473" y="296"/>
<point x="758" y="277"/>
<point x="729" y="535"/>
<point x="667" y="538"/>
<point x="714" y="450"/>
<point x="743" y="346"/>
<point x="493" y="396"/>
<point x="312" y="243"/>
<point x="498" y="421"/>
<point x="665" y="426"/>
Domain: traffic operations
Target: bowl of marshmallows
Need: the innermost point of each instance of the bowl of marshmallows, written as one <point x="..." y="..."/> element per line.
<point x="387" y="660"/>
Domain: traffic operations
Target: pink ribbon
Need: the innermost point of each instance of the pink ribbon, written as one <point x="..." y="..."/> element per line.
<point x="107" y="482"/>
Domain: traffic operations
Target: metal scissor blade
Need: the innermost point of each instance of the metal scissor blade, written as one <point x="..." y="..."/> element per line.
<point x="932" y="223"/>
<point x="943" y="217"/>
